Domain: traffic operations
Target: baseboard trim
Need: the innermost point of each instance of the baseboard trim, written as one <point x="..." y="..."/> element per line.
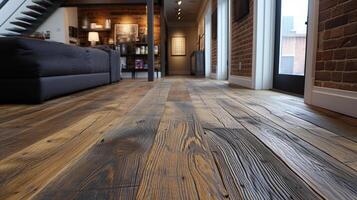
<point x="241" y="81"/>
<point x="213" y="76"/>
<point x="127" y="75"/>
<point x="341" y="101"/>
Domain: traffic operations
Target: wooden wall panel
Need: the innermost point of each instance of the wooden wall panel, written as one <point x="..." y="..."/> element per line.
<point x="119" y="14"/>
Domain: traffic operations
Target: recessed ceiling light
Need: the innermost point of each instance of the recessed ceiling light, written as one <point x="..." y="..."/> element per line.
<point x="179" y="2"/>
<point x="179" y="17"/>
<point x="178" y="13"/>
<point x="179" y="9"/>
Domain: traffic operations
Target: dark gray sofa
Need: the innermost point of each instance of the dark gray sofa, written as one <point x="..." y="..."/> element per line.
<point x="32" y="71"/>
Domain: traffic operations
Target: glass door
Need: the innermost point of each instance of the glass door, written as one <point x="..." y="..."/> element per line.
<point x="290" y="47"/>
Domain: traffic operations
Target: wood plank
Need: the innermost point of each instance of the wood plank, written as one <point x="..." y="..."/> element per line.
<point x="250" y="170"/>
<point x="17" y="112"/>
<point x="113" y="167"/>
<point x="337" y="146"/>
<point x="329" y="177"/>
<point x="16" y="141"/>
<point x="180" y="157"/>
<point x="25" y="173"/>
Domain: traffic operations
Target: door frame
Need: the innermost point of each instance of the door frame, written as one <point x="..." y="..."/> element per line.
<point x="285" y="82"/>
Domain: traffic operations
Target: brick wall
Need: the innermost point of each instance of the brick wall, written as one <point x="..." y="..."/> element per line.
<point x="214" y="44"/>
<point x="242" y="44"/>
<point x="336" y="62"/>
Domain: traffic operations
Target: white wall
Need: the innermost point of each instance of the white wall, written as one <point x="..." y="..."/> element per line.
<point x="59" y="22"/>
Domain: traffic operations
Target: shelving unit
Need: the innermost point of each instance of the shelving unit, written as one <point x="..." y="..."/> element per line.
<point x="131" y="58"/>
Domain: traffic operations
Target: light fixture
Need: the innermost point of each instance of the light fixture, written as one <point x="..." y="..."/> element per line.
<point x="179" y="2"/>
<point x="93" y="37"/>
<point x="179" y="13"/>
<point x="179" y="9"/>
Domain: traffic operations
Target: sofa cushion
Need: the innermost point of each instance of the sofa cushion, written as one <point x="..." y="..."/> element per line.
<point x="30" y="58"/>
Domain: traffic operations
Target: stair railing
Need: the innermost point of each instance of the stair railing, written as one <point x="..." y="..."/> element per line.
<point x="15" y="10"/>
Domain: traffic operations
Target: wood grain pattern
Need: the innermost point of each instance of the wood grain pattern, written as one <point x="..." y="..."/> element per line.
<point x="112" y="169"/>
<point x="250" y="170"/>
<point x="326" y="175"/>
<point x="176" y="138"/>
<point x="27" y="171"/>
<point x="35" y="126"/>
<point x="180" y="157"/>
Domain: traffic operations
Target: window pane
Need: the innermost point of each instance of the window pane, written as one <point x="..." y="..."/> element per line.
<point x="293" y="37"/>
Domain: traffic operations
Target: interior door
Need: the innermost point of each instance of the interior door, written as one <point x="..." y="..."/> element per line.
<point x="290" y="47"/>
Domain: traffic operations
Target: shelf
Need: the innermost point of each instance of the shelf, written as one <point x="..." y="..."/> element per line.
<point x="138" y="55"/>
<point x="97" y="30"/>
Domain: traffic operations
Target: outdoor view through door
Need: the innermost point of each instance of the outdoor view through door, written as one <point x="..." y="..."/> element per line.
<point x="290" y="52"/>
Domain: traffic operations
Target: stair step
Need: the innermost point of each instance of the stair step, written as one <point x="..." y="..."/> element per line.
<point x="21" y="24"/>
<point x="37" y="8"/>
<point x="26" y="19"/>
<point x="43" y="3"/>
<point x="10" y="34"/>
<point x="16" y="30"/>
<point x="32" y="14"/>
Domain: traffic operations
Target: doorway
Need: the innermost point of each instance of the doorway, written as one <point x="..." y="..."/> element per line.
<point x="290" y="46"/>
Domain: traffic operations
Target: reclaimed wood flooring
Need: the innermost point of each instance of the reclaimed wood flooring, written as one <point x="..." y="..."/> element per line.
<point x="177" y="138"/>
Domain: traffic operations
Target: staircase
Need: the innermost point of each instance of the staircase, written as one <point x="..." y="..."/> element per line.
<point x="23" y="17"/>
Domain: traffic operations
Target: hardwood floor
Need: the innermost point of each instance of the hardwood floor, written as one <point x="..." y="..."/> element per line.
<point x="178" y="138"/>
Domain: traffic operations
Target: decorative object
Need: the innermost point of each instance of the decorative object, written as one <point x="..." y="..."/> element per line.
<point x="123" y="49"/>
<point x="146" y="50"/>
<point x="98" y="26"/>
<point x="137" y="51"/>
<point x="111" y="41"/>
<point x="240" y="9"/>
<point x="142" y="50"/>
<point x="93" y="25"/>
<point x="139" y="64"/>
<point x="156" y="50"/>
<point x="126" y="33"/>
<point x="108" y="24"/>
<point x="72" y="32"/>
<point x="178" y="46"/>
<point x="85" y="23"/>
<point x="143" y="34"/>
<point x="93" y="37"/>
<point x="123" y="62"/>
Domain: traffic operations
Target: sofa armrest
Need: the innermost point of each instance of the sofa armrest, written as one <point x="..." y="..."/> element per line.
<point x="114" y="66"/>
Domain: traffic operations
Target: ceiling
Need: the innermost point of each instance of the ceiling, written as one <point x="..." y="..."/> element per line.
<point x="190" y="11"/>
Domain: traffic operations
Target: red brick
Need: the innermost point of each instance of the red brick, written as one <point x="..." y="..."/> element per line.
<point x="326" y="4"/>
<point x="350" y="77"/>
<point x="350" y="29"/>
<point x="340" y="65"/>
<point x="338" y="21"/>
<point x="327" y="55"/>
<point x="350" y="6"/>
<point x="336" y="76"/>
<point x="337" y="32"/>
<point x="320" y="66"/>
<point x="351" y="53"/>
<point x="339" y="54"/>
<point x="323" y="76"/>
<point x="351" y="65"/>
<point x="352" y="17"/>
<point x="330" y="65"/>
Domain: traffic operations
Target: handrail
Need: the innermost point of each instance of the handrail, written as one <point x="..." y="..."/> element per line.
<point x="2" y="4"/>
<point x="12" y="12"/>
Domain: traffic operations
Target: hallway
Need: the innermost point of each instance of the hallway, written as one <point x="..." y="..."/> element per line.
<point x="178" y="138"/>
